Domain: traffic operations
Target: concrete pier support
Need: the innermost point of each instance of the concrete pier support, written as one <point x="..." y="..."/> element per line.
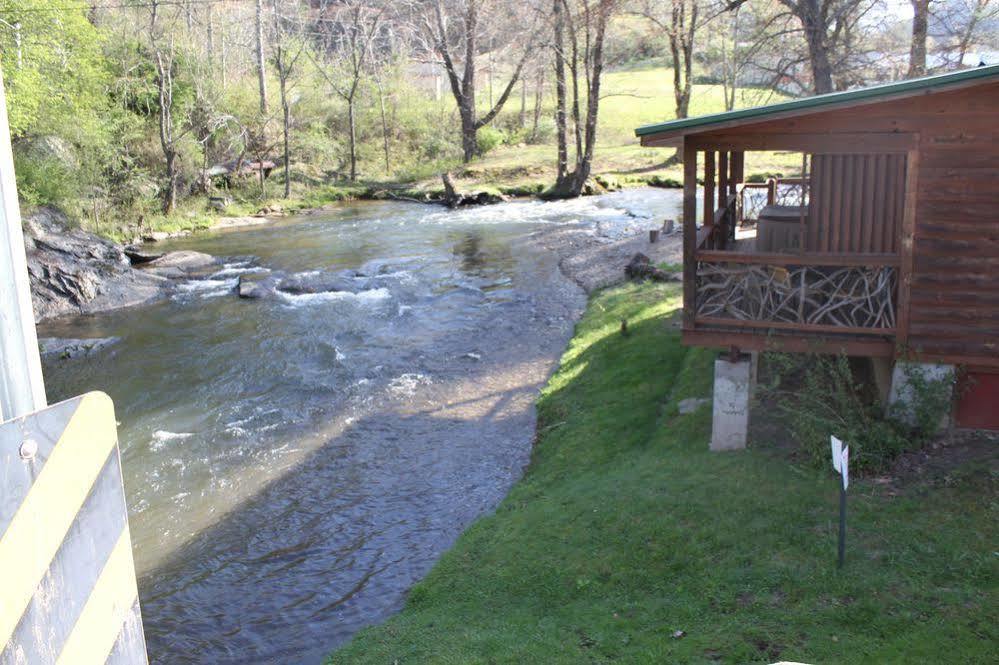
<point x="732" y="393"/>
<point x="902" y="396"/>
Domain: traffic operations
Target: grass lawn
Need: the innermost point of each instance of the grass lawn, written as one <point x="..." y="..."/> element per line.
<point x="630" y="98"/>
<point x="626" y="529"/>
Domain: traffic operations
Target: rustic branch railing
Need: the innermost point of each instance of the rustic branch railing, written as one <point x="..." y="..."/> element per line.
<point x="806" y="292"/>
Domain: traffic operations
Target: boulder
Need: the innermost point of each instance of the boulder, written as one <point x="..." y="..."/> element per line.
<point x="59" y="347"/>
<point x="317" y="282"/>
<point x="255" y="285"/>
<point x="186" y="260"/>
<point x="75" y="272"/>
<point x="50" y="148"/>
<point x="138" y="256"/>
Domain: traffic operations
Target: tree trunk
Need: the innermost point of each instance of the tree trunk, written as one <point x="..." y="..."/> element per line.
<point x="287" y="143"/>
<point x="170" y="192"/>
<point x="385" y="136"/>
<point x="917" y="48"/>
<point x="261" y="73"/>
<point x="563" y="150"/>
<point x="539" y="92"/>
<point x="352" y="130"/>
<point x="522" y="120"/>
<point x="818" y="51"/>
<point x="210" y="29"/>
<point x="596" y="60"/>
<point x="469" y="145"/>
<point x="164" y="84"/>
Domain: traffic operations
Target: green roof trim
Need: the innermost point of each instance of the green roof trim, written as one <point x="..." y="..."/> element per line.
<point x="817" y="101"/>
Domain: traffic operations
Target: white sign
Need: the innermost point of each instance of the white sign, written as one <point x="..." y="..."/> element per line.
<point x="841" y="459"/>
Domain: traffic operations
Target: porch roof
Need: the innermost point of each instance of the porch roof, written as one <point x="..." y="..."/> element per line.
<point x="674" y="129"/>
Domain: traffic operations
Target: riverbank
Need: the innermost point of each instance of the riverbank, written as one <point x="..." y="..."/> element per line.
<point x="628" y="540"/>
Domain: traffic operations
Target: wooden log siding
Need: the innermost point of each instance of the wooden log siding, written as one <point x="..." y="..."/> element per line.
<point x="952" y="293"/>
<point x="855" y="203"/>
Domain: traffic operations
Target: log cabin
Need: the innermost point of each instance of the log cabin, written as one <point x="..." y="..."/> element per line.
<point x="886" y="246"/>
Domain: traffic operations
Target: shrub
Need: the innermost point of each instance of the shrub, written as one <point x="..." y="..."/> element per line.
<point x="545" y="132"/>
<point x="818" y="396"/>
<point x="488" y="138"/>
<point x="46" y="182"/>
<point x="662" y="181"/>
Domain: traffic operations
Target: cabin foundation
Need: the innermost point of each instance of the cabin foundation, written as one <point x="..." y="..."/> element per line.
<point x="905" y="378"/>
<point x="734" y="384"/>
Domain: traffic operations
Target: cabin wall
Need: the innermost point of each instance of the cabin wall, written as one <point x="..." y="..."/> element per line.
<point x="855" y="203"/>
<point x="954" y="294"/>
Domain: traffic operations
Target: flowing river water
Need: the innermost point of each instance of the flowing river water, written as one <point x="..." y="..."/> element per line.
<point x="293" y="464"/>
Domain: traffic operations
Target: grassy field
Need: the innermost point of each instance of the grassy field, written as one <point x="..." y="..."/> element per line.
<point x="628" y="541"/>
<point x="631" y="98"/>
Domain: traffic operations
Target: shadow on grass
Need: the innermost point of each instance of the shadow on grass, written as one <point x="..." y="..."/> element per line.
<point x="629" y="541"/>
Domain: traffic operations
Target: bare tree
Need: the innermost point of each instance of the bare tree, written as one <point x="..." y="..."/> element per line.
<point x="164" y="87"/>
<point x="455" y="27"/>
<point x="585" y="23"/>
<point x="829" y="28"/>
<point x="288" y="48"/>
<point x="679" y="20"/>
<point x="917" y="46"/>
<point x="351" y="27"/>
<point x="164" y="61"/>
<point x="960" y="24"/>
<point x="261" y="71"/>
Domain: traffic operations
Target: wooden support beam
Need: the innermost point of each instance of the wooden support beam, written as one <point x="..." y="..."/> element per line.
<point x="908" y="231"/>
<point x="739" y="166"/>
<point x="733" y="178"/>
<point x="793" y="343"/>
<point x="808" y="259"/>
<point x="689" y="234"/>
<point x="834" y="142"/>
<point x="709" y="185"/>
<point x="722" y="179"/>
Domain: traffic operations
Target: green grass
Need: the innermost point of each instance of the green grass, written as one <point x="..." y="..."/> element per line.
<point x="626" y="528"/>
<point x="630" y="98"/>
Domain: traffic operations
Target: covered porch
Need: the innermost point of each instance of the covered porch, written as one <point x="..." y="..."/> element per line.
<point x="809" y="263"/>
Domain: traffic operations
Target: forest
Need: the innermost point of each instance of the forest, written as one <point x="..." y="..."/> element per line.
<point x="132" y="115"/>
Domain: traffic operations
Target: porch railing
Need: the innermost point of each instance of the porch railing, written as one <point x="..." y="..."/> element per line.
<point x="806" y="292"/>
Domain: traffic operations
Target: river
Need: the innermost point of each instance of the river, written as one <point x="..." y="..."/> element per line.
<point x="294" y="464"/>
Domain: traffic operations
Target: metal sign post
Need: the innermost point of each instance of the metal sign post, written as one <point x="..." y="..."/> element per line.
<point x="67" y="579"/>
<point x="21" y="388"/>
<point x="841" y="462"/>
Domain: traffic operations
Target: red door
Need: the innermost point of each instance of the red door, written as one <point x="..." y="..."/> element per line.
<point x="978" y="400"/>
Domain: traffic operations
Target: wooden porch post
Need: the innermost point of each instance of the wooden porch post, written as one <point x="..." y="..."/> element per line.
<point x="908" y="230"/>
<point x="722" y="179"/>
<point x="738" y="177"/>
<point x="733" y="177"/>
<point x="689" y="233"/>
<point x="709" y="186"/>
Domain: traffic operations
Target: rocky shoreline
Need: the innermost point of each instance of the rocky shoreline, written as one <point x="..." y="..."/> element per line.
<point x="73" y="272"/>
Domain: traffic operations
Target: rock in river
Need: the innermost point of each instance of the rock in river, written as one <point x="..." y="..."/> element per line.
<point x="74" y="348"/>
<point x="318" y="282"/>
<point x="186" y="260"/>
<point x="75" y="272"/>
